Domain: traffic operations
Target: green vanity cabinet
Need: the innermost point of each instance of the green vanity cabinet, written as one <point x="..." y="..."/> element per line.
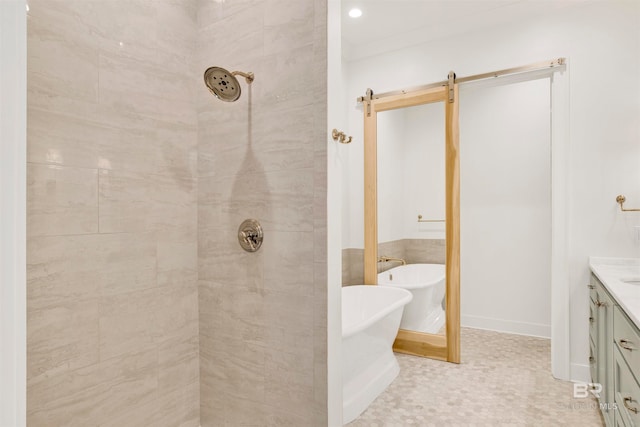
<point x="626" y="338"/>
<point x="601" y="358"/>
<point x="614" y="342"/>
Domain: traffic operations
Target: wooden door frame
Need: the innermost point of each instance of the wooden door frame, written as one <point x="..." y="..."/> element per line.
<point x="411" y="342"/>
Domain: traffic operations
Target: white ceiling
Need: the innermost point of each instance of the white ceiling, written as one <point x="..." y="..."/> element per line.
<point x="391" y="24"/>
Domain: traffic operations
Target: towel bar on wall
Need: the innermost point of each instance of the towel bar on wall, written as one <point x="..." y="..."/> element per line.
<point x="429" y="220"/>
<point x="621" y="199"/>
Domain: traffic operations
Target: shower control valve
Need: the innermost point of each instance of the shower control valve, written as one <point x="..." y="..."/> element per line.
<point x="250" y="235"/>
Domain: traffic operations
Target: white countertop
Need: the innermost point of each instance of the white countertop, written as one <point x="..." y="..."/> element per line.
<point x="610" y="271"/>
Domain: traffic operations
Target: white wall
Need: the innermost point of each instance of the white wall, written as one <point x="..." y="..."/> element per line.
<point x="13" y="99"/>
<point x="424" y="172"/>
<point x="411" y="176"/>
<point x="505" y="215"/>
<point x="391" y="138"/>
<point x="353" y="161"/>
<point x="602" y="42"/>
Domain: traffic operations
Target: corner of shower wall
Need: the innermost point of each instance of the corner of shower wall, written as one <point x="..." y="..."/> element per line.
<point x="263" y="332"/>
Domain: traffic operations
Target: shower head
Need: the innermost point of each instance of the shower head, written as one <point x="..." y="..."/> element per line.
<point x="224" y="84"/>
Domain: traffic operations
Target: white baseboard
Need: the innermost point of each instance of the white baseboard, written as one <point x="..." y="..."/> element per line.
<point x="507" y="326"/>
<point x="580" y="373"/>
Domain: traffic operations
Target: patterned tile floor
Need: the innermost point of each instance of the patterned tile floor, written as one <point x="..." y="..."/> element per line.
<point x="503" y="380"/>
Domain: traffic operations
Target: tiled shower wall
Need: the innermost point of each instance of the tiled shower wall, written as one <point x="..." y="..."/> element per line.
<point x="263" y="315"/>
<point x="112" y="324"/>
<point x="120" y="202"/>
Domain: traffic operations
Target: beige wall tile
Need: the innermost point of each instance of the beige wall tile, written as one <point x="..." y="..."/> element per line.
<point x="275" y="141"/>
<point x="125" y="84"/>
<point x="60" y="139"/>
<point x="135" y="150"/>
<point x="231" y="313"/>
<point x="177" y="256"/>
<point x="290" y="320"/>
<point x="92" y="395"/>
<point x="129" y="262"/>
<point x="112" y="292"/>
<point x="150" y="317"/>
<point x="58" y="30"/>
<point x="288" y="262"/>
<point x="211" y="12"/>
<point x="263" y="157"/>
<point x="116" y="141"/>
<point x="282" y="417"/>
<point x="237" y="368"/>
<point x="131" y="201"/>
<point x="213" y="407"/>
<point x="430" y="251"/>
<point x="178" y="359"/>
<point x="128" y="99"/>
<point x="223" y="261"/>
<point x="125" y="203"/>
<point x="61" y="269"/>
<point x="293" y="80"/>
<point x="136" y="29"/>
<point x="61" y="200"/>
<point x="282" y="201"/>
<point x="243" y="30"/>
<point x="62" y="337"/>
<point x="122" y="334"/>
<point x="179" y="408"/>
<point x="176" y="408"/>
<point x="320" y="295"/>
<point x="177" y="153"/>
<point x="179" y="314"/>
<point x="320" y="380"/>
<point x="288" y="385"/>
<point x="352" y="266"/>
<point x="284" y="140"/>
<point x="285" y="31"/>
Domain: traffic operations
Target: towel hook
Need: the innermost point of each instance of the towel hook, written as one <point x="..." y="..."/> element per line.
<point x="340" y="137"/>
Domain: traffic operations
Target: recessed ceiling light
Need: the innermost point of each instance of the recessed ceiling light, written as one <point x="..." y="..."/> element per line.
<point x="355" y="13"/>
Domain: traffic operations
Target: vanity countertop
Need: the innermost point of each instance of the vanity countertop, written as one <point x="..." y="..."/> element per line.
<point x="612" y="272"/>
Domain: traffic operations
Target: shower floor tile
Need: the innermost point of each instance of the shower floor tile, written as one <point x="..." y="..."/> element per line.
<point x="503" y="380"/>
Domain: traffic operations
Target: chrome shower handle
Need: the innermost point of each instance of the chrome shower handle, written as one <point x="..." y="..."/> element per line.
<point x="249" y="238"/>
<point x="250" y="235"/>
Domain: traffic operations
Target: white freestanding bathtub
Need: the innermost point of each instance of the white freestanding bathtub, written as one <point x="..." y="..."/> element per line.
<point x="370" y="320"/>
<point x="427" y="284"/>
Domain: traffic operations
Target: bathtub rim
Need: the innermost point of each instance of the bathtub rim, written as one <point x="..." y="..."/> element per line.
<point x="413" y="285"/>
<point x="364" y="324"/>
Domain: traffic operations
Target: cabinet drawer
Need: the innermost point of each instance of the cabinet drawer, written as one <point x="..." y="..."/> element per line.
<point x="627" y="340"/>
<point x="627" y="392"/>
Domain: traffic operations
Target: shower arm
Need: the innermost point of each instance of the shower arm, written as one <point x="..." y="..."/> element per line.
<point x="248" y="76"/>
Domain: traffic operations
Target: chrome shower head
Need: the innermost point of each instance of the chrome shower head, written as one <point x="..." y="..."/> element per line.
<point x="224" y="84"/>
